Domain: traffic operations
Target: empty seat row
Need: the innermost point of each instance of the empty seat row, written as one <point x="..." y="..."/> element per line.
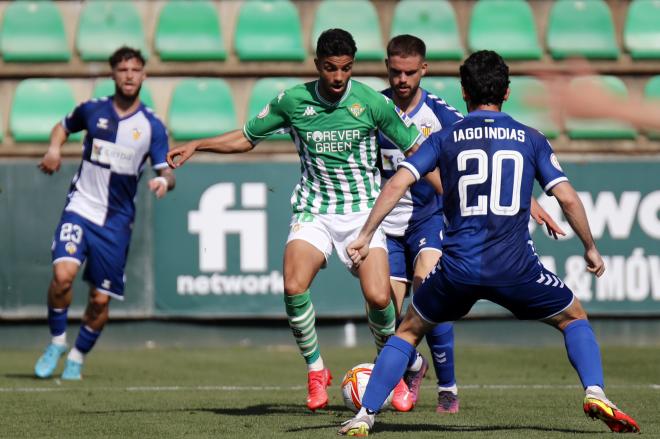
<point x="203" y="107"/>
<point x="271" y="30"/>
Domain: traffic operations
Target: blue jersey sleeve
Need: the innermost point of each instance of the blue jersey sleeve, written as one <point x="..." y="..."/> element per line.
<point x="425" y="159"/>
<point x="77" y="119"/>
<point x="548" y="170"/>
<point x="447" y="114"/>
<point x="159" y="145"/>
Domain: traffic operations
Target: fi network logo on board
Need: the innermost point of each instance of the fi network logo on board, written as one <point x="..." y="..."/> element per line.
<point x="215" y="219"/>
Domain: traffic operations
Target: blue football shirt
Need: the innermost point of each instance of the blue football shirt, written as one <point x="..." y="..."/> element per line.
<point x="115" y="150"/>
<point x="488" y="163"/>
<point x="421" y="201"/>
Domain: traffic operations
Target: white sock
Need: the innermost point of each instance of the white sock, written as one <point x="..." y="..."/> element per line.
<point x="59" y="340"/>
<point x="417" y="365"/>
<point x="596" y="392"/>
<point x="363" y="412"/>
<point x="76" y="355"/>
<point x="316" y="365"/>
<point x="453" y="389"/>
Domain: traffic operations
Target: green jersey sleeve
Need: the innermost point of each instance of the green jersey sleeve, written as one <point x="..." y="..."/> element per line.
<point x="273" y="117"/>
<point x="394" y="123"/>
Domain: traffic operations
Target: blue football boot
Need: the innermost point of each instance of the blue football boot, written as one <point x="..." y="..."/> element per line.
<point x="47" y="363"/>
<point x="72" y="370"/>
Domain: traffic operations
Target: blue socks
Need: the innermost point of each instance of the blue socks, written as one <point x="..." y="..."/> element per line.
<point x="441" y="344"/>
<point x="584" y="353"/>
<point x="86" y="339"/>
<point x="391" y="364"/>
<point x="57" y="320"/>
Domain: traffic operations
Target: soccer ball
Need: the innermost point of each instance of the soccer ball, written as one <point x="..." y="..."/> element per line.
<point x="355" y="383"/>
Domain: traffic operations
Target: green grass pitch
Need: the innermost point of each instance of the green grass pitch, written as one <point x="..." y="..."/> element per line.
<point x="260" y="393"/>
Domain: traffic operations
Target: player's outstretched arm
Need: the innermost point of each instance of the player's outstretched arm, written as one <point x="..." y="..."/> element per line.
<point x="52" y="160"/>
<point x="228" y="143"/>
<point x="389" y="196"/>
<point x="433" y="178"/>
<point x="574" y="211"/>
<point x="542" y="217"/>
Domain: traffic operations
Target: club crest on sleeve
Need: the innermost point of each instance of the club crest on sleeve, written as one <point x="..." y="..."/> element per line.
<point x="555" y="162"/>
<point x="70" y="248"/>
<point x="263" y="113"/>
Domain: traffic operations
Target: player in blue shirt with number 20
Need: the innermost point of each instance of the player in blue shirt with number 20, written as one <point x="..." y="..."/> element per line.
<point x="488" y="163"/>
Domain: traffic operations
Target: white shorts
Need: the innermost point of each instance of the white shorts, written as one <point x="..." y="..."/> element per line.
<point x="328" y="231"/>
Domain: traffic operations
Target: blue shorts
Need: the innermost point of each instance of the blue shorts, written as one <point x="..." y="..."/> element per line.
<point x="439" y="299"/>
<point x="403" y="250"/>
<point x="77" y="239"/>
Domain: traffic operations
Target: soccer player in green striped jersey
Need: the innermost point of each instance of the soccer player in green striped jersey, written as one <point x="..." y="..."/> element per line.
<point x="333" y="122"/>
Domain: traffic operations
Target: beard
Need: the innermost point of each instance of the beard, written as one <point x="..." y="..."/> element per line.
<point x="125" y="97"/>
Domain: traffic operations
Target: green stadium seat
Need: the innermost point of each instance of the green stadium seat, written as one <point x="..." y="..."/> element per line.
<point x="600" y="128"/>
<point x="447" y="88"/>
<point x="519" y="105"/>
<point x="378" y="84"/>
<point x="263" y="92"/>
<point x="506" y="26"/>
<point x="201" y="107"/>
<point x="269" y="31"/>
<point x="37" y="106"/>
<point x="434" y="21"/>
<point x="106" y="87"/>
<point x="34" y="32"/>
<point x="581" y="28"/>
<point x="104" y="26"/>
<point x="358" y="17"/>
<point x="189" y="31"/>
<point x="641" y="34"/>
<point x="652" y="93"/>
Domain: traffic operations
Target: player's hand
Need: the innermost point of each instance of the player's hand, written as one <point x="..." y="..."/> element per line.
<point x="51" y="161"/>
<point x="595" y="262"/>
<point x="158" y="185"/>
<point x="179" y="155"/>
<point x="542" y="217"/>
<point x="358" y="251"/>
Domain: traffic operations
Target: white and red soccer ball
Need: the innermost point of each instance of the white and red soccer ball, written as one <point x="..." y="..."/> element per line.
<point x="355" y="383"/>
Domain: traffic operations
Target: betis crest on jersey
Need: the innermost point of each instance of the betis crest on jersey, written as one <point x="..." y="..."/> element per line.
<point x="356" y="109"/>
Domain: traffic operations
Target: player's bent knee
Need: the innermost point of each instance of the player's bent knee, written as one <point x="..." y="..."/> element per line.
<point x="294" y="287"/>
<point x="378" y="302"/>
<point x="62" y="281"/>
<point x="569" y="315"/>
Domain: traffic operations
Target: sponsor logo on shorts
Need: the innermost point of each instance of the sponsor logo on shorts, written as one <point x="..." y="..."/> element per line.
<point x="296" y="227"/>
<point x="422" y="242"/>
<point x="106" y="284"/>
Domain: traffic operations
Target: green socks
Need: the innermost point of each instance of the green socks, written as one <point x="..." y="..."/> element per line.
<point x="302" y="320"/>
<point x="382" y="324"/>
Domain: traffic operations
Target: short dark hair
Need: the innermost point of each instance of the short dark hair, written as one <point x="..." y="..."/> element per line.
<point x="485" y="78"/>
<point x="335" y="42"/>
<point x="406" y="45"/>
<point x="124" y="53"/>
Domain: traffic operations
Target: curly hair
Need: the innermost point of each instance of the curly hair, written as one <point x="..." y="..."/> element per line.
<point x="335" y="42"/>
<point x="485" y="78"/>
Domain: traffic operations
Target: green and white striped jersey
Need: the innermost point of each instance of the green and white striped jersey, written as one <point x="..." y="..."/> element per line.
<point x="336" y="143"/>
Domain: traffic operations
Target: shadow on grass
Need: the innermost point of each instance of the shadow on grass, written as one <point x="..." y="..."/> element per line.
<point x="418" y="428"/>
<point x="341" y="412"/>
<point x="24" y="376"/>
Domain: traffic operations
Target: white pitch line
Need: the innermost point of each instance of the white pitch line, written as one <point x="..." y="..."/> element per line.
<point x="291" y="388"/>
